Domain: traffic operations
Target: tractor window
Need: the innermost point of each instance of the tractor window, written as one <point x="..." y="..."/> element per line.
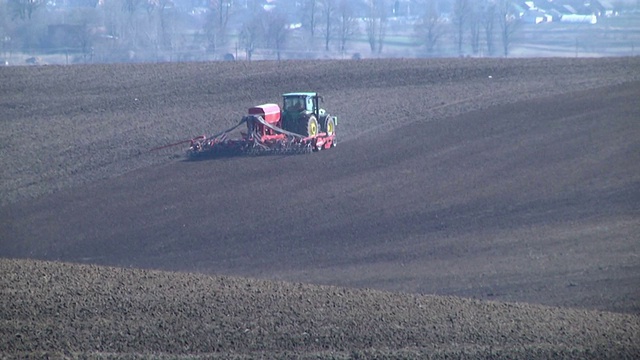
<point x="310" y="104"/>
<point x="295" y="103"/>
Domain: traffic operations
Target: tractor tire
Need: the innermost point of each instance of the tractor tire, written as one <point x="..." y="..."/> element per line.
<point x="329" y="125"/>
<point x="322" y="121"/>
<point x="309" y="127"/>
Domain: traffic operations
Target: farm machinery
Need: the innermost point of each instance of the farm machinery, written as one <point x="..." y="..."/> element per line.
<point x="300" y="126"/>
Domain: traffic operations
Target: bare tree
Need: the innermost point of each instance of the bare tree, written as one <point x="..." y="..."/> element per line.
<point x="86" y="18"/>
<point x="85" y="45"/>
<point x="488" y="10"/>
<point x="24" y="9"/>
<point x="130" y="7"/>
<point x="215" y="26"/>
<point x="382" y="29"/>
<point x="224" y="13"/>
<point x="376" y="25"/>
<point x="309" y="15"/>
<point x="508" y="21"/>
<point x="431" y="26"/>
<point x="474" y="21"/>
<point x="461" y="9"/>
<point x="5" y="38"/>
<point x="372" y="27"/>
<point x="276" y="34"/>
<point x="253" y="29"/>
<point x="329" y="9"/>
<point x="250" y="35"/>
<point x="347" y="23"/>
<point x="161" y="13"/>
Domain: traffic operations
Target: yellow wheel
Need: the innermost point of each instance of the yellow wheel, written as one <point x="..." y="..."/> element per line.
<point x="330" y="125"/>
<point x="312" y="126"/>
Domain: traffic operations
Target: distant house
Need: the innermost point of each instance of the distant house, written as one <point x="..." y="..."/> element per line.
<point x="532" y="14"/>
<point x="576" y="7"/>
<point x="579" y="7"/>
<point x="65" y="4"/>
<point x="573" y="11"/>
<point x="603" y="8"/>
<point x="520" y="7"/>
<point x="578" y="18"/>
<point x="536" y="16"/>
<point x="555" y="14"/>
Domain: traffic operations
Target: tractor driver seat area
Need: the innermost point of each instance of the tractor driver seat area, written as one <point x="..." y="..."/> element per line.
<point x="294" y="104"/>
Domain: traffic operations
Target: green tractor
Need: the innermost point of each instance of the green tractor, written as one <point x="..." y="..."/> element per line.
<point x="302" y="114"/>
<point x="299" y="126"/>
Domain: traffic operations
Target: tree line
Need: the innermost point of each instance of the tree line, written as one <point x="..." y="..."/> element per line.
<point x="493" y="21"/>
<point x="151" y="28"/>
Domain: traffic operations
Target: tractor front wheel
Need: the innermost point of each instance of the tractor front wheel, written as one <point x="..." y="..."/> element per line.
<point x="330" y="125"/>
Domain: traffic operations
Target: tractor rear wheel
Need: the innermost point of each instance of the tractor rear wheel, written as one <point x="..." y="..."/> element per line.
<point x="310" y="127"/>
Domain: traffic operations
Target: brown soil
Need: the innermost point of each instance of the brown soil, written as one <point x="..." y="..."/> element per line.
<point x="505" y="180"/>
<point x="62" y="310"/>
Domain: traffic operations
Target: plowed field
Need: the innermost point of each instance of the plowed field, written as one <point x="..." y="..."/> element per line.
<point x="513" y="181"/>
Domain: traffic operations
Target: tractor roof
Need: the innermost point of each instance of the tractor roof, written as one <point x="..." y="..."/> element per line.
<point x="299" y="94"/>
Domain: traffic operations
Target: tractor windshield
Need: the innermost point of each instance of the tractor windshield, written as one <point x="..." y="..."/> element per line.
<point x="294" y="103"/>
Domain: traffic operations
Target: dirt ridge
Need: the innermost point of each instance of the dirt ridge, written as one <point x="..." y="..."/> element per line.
<point x="86" y="310"/>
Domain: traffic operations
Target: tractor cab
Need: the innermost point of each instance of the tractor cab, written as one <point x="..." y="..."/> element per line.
<point x="296" y="104"/>
<point x="301" y="113"/>
<point x="302" y="102"/>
